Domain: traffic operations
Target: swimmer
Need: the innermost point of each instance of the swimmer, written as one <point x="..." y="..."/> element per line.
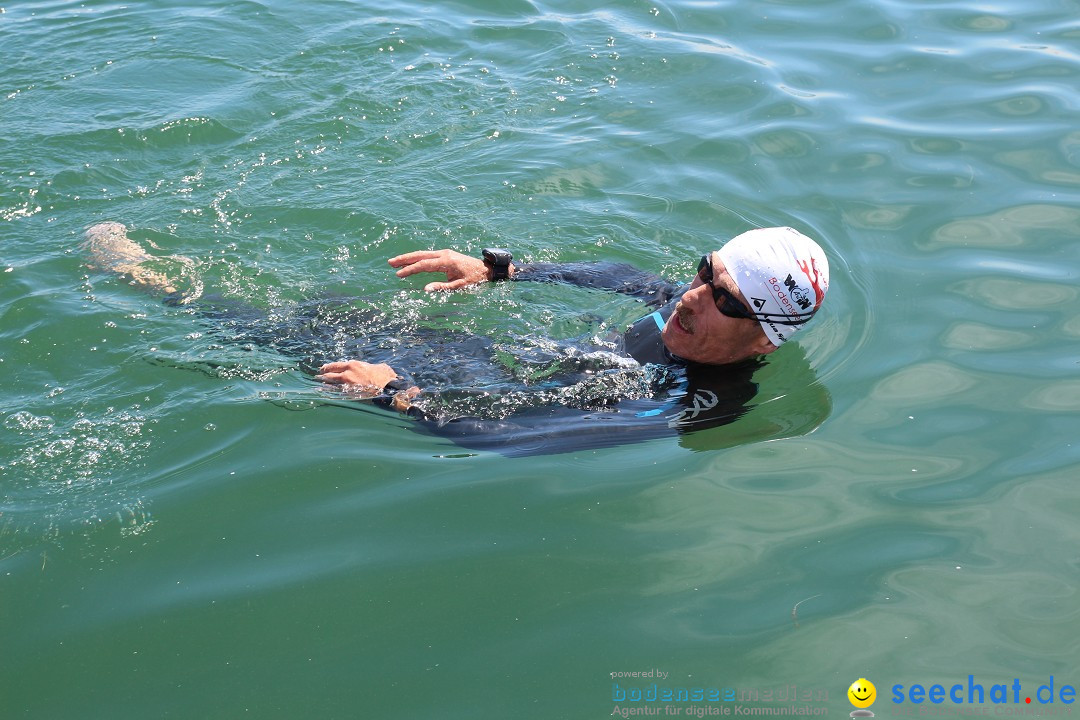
<point x="747" y="299"/>
<point x="686" y="365"/>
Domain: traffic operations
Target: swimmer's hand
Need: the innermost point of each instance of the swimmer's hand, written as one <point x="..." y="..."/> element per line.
<point x="367" y="380"/>
<point x="365" y="377"/>
<point x="461" y="270"/>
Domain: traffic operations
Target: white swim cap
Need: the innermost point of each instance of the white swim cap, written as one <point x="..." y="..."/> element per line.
<point x="783" y="274"/>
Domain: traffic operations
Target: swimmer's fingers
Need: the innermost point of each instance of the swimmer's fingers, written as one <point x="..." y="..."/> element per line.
<point x="357" y="372"/>
<point x="417" y="255"/>
<point x="446" y="286"/>
<point x="340" y="373"/>
<point x="446" y="261"/>
<point x="425" y="265"/>
<point x="335" y="367"/>
<point x="460" y="270"/>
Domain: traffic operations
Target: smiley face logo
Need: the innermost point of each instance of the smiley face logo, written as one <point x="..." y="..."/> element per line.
<point x="862" y="693"/>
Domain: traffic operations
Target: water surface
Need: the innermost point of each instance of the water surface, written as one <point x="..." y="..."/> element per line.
<point x="186" y="532"/>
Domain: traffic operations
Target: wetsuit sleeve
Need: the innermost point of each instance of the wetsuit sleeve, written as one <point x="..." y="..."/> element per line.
<point x="615" y="277"/>
<point x="595" y="388"/>
<point x="609" y="408"/>
<point x="586" y="415"/>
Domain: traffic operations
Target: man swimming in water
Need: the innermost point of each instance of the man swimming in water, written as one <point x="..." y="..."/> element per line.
<point x="686" y="365"/>
<point x="710" y="322"/>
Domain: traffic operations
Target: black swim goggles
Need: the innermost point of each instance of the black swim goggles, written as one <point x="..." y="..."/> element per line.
<point x="729" y="305"/>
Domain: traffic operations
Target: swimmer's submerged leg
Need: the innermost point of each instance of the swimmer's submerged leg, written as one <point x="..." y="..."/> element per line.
<point x="111" y="250"/>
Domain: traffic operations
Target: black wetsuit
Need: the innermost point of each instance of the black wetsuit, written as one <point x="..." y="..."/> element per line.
<point x="548" y="397"/>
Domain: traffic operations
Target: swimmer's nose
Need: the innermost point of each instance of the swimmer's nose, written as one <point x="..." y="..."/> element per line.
<point x="694" y="299"/>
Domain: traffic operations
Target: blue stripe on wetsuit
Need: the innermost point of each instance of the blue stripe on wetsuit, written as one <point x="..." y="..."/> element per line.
<point x="666" y="406"/>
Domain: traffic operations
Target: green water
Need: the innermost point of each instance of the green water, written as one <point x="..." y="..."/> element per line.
<point x="185" y="531"/>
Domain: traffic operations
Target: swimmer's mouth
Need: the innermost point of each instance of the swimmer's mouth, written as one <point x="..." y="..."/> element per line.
<point x="684" y="319"/>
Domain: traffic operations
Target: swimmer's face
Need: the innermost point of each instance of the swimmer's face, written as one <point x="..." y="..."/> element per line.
<point x="699" y="332"/>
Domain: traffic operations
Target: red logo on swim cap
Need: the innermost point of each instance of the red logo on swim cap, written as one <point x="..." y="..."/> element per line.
<point x="815" y="281"/>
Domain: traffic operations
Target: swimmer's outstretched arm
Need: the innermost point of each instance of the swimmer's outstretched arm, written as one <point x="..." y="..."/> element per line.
<point x="370" y="379"/>
<point x="461" y="270"/>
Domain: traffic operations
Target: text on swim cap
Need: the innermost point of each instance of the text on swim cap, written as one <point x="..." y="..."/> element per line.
<point x="785" y="301"/>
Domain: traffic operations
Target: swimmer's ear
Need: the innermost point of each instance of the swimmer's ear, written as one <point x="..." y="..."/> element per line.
<point x="764" y="346"/>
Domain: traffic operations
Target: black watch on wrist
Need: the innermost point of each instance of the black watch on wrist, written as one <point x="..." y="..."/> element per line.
<point x="499" y="261"/>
